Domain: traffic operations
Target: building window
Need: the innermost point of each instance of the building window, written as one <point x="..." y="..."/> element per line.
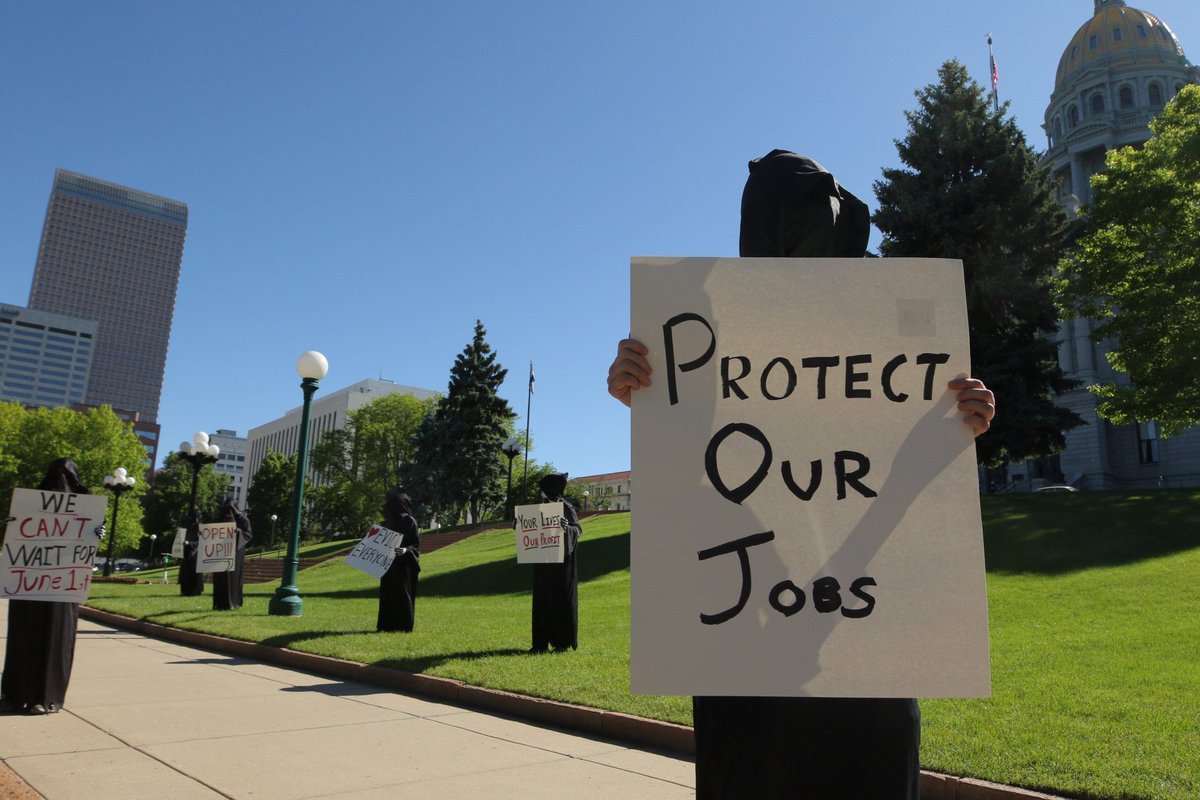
<point x="1141" y="29"/>
<point x="1116" y="34"/>
<point x="1097" y="104"/>
<point x="1093" y="40"/>
<point x="1126" y="97"/>
<point x="1072" y="117"/>
<point x="1147" y="442"/>
<point x="1155" y="95"/>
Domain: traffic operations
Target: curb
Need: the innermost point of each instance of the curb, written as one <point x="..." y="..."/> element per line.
<point x="665" y="736"/>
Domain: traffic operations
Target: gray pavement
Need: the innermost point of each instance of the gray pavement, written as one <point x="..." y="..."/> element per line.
<point x="147" y="718"/>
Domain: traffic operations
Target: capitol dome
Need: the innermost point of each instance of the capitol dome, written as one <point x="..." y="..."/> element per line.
<point x="1116" y="73"/>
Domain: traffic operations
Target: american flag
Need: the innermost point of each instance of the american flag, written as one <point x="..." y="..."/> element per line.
<point x="531" y="377"/>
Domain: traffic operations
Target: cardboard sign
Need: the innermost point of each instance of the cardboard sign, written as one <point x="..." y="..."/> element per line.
<point x="50" y="546"/>
<point x="376" y="552"/>
<point x="540" y="538"/>
<point x="177" y="543"/>
<point x="808" y="519"/>
<point x="217" y="547"/>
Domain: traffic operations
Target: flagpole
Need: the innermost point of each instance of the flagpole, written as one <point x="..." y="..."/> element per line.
<point x="995" y="77"/>
<point x="528" y="408"/>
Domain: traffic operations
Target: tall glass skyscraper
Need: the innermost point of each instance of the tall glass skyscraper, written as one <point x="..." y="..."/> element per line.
<point x="112" y="254"/>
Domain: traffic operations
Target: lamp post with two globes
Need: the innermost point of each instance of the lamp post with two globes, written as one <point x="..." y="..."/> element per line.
<point x="287" y="602"/>
<point x="118" y="483"/>
<point x="197" y="453"/>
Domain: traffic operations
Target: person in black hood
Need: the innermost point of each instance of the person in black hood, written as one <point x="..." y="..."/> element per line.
<point x="556" y="586"/>
<point x="191" y="582"/>
<point x="40" y="648"/>
<point x="227" y="586"/>
<point x="765" y="748"/>
<point x="398" y="586"/>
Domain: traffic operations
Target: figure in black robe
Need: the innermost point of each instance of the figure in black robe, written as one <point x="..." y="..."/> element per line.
<point x="40" y="648"/>
<point x="398" y="586"/>
<point x="556" y="586"/>
<point x="227" y="586"/>
<point x="768" y="748"/>
<point x="191" y="582"/>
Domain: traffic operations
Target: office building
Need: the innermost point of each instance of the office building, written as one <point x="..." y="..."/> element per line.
<point x="112" y="254"/>
<point x="45" y="358"/>
<point x="327" y="413"/>
<point x="232" y="462"/>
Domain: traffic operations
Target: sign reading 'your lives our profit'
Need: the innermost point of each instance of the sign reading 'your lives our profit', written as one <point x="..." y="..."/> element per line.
<point x="50" y="545"/>
<point x="217" y="548"/>
<point x="808" y="519"/>
<point x="375" y="553"/>
<point x="540" y="534"/>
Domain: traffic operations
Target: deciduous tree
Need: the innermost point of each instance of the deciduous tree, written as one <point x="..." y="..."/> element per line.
<point x="1136" y="269"/>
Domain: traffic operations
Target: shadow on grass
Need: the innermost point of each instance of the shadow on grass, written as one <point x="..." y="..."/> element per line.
<point x="1054" y="534"/>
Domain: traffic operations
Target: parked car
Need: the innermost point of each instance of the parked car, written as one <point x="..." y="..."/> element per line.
<point x="1056" y="487"/>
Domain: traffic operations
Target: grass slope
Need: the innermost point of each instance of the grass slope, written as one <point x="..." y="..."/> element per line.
<point x="1095" y="628"/>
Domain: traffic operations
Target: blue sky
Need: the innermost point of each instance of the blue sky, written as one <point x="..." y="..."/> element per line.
<point x="369" y="178"/>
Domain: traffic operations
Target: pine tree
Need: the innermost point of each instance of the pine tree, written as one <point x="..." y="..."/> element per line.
<point x="459" y="464"/>
<point x="972" y="190"/>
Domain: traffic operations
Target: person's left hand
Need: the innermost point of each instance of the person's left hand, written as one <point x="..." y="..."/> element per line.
<point x="100" y="530"/>
<point x="976" y="401"/>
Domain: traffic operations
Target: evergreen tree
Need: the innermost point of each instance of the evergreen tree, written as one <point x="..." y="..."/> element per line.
<point x="972" y="190"/>
<point x="459" y="465"/>
<point x="1137" y="269"/>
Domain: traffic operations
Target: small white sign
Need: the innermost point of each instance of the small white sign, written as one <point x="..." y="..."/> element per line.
<point x="50" y="546"/>
<point x="375" y="553"/>
<point x="217" y="548"/>
<point x="540" y="534"/>
<point x="177" y="545"/>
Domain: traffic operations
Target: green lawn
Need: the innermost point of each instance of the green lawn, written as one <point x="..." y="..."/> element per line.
<point x="1095" y="627"/>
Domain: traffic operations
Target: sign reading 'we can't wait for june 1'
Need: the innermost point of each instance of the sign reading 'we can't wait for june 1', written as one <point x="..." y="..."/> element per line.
<point x="540" y="534"/>
<point x="807" y="521"/>
<point x="50" y="545"/>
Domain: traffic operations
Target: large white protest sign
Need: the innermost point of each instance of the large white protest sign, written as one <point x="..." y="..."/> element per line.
<point x="216" y="550"/>
<point x="540" y="534"/>
<point x="177" y="543"/>
<point x="807" y="520"/>
<point x="375" y="553"/>
<point x="50" y="545"/>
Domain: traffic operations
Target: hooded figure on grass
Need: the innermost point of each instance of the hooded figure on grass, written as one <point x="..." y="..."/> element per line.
<point x="398" y="586"/>
<point x="556" y="586"/>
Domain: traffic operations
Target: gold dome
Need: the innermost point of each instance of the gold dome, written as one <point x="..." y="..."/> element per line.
<point x="1118" y="35"/>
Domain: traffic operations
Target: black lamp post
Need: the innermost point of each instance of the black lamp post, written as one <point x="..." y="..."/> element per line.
<point x="198" y="452"/>
<point x="287" y="602"/>
<point x="153" y="539"/>
<point x="585" y="497"/>
<point x="118" y="483"/>
<point x="271" y="544"/>
<point x="510" y="448"/>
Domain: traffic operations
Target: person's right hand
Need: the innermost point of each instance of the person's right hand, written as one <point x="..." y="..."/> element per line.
<point x="630" y="370"/>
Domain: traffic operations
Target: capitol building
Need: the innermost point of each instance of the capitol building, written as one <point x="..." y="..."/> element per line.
<point x="1117" y="72"/>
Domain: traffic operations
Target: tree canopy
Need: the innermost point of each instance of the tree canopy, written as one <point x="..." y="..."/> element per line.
<point x="1136" y="269"/>
<point x="97" y="439"/>
<point x="972" y="189"/>
<point x="271" y="492"/>
<point x="360" y="462"/>
<point x="458" y="464"/>
<point x="170" y="496"/>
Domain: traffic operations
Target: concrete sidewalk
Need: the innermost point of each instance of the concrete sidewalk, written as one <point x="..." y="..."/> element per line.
<point x="146" y="718"/>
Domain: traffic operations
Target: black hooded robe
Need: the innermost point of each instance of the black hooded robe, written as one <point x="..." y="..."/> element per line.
<point x="40" y="646"/>
<point x="398" y="586"/>
<point x="556" y="586"/>
<point x="777" y="748"/>
<point x="227" y="586"/>
<point x="191" y="582"/>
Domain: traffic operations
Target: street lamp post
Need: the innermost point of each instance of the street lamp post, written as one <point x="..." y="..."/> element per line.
<point x="585" y="497"/>
<point x="287" y="602"/>
<point x="510" y="448"/>
<point x="153" y="538"/>
<point x="197" y="453"/>
<point x="118" y="483"/>
<point x="271" y="544"/>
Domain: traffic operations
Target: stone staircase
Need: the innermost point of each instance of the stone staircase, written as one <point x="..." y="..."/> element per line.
<point x="265" y="570"/>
